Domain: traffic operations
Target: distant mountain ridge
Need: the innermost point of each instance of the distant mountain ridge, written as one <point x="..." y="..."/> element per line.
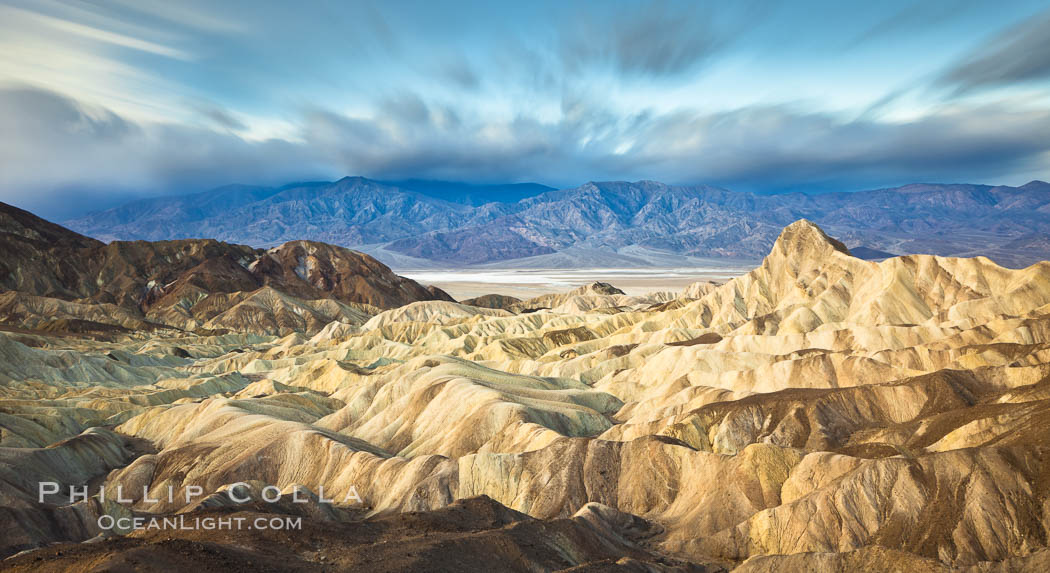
<point x="529" y="222"/>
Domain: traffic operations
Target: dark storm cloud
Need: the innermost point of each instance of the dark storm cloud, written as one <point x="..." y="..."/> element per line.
<point x="1020" y="54"/>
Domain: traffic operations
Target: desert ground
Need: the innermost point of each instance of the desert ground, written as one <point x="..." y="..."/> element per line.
<point x="819" y="412"/>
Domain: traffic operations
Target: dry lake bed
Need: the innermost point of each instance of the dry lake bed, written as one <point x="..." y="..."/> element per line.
<point x="527" y="283"/>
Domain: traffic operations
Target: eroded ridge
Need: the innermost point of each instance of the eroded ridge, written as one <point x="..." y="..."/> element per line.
<point x="821" y="412"/>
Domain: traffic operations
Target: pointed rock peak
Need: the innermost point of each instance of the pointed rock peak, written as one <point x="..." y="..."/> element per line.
<point x="597" y="288"/>
<point x="804" y="237"/>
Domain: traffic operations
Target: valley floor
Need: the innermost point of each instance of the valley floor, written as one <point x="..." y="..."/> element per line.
<point x="528" y="283"/>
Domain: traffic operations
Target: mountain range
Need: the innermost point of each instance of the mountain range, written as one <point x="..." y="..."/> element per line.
<point x="419" y="224"/>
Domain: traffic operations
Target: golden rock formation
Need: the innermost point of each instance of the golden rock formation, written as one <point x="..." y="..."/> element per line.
<point x="820" y="413"/>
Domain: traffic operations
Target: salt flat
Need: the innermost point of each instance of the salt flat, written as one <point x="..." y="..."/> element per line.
<point x="526" y="283"/>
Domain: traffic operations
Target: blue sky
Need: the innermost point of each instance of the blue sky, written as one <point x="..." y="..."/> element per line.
<point x="103" y="101"/>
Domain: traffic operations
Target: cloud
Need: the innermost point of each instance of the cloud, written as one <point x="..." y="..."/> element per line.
<point x="406" y="108"/>
<point x="459" y="72"/>
<point x="661" y="39"/>
<point x="183" y="14"/>
<point x="53" y="119"/>
<point x="917" y="17"/>
<point x="221" y="116"/>
<point x="1020" y="54"/>
<point x="57" y="26"/>
<point x="58" y="148"/>
<point x="61" y="157"/>
<point x="780" y="147"/>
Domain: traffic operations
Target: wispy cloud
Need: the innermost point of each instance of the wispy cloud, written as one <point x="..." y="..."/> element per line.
<point x="221" y="116"/>
<point x="1020" y="54"/>
<point x="75" y="48"/>
<point x="657" y="39"/>
<point x="913" y="18"/>
<point x="26" y="18"/>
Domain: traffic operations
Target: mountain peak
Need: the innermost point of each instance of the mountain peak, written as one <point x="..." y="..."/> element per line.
<point x="27" y="226"/>
<point x="803" y="238"/>
<point x="353" y="180"/>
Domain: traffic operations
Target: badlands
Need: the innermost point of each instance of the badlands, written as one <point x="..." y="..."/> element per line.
<point x="820" y="413"/>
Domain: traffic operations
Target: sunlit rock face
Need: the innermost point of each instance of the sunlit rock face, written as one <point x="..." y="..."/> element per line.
<point x="820" y="413"/>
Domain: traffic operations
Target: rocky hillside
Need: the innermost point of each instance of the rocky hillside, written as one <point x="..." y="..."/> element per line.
<point x="820" y="413"/>
<point x="188" y="282"/>
<point x="625" y="220"/>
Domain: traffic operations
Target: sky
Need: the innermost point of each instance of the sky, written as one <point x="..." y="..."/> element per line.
<point x="101" y="102"/>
